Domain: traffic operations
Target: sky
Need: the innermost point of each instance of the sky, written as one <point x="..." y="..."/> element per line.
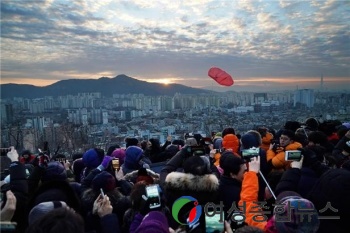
<point x="263" y="45"/>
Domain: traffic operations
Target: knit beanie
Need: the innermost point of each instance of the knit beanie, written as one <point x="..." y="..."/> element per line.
<point x="154" y="222"/>
<point x="54" y="171"/>
<point x="93" y="157"/>
<point x="43" y="208"/>
<point x="292" y="213"/>
<point x="105" y="181"/>
<point x="133" y="155"/>
<point x="119" y="154"/>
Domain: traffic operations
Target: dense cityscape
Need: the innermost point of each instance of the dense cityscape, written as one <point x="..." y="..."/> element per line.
<point x="75" y="123"/>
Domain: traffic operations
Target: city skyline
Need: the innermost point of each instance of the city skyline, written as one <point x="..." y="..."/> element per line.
<point x="272" y="45"/>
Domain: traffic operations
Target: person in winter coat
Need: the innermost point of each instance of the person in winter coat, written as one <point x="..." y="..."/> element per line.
<point x="341" y="151"/>
<point x="252" y="139"/>
<point x="134" y="159"/>
<point x="276" y="153"/>
<point x="230" y="182"/>
<point x="282" y="221"/>
<point x="197" y="181"/>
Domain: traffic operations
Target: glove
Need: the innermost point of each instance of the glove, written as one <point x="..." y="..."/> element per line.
<point x="105" y="162"/>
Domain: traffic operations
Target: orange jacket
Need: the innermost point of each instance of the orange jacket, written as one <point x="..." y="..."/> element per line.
<point x="231" y="141"/>
<point x="266" y="141"/>
<point x="249" y="195"/>
<point x="277" y="157"/>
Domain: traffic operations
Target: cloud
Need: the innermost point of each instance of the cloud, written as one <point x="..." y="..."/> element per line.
<point x="181" y="40"/>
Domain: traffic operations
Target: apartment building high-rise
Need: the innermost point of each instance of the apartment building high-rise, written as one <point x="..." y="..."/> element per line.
<point x="304" y="96"/>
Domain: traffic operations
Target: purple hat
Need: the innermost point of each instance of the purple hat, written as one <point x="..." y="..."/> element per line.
<point x="119" y="154"/>
<point x="154" y="222"/>
<point x="93" y="157"/>
<point x="105" y="181"/>
<point x="133" y="155"/>
<point x="293" y="208"/>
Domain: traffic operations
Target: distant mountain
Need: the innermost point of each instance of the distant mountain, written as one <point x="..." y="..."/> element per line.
<point x="120" y="84"/>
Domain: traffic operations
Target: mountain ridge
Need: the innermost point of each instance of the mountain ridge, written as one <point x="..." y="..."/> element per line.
<point x="120" y="84"/>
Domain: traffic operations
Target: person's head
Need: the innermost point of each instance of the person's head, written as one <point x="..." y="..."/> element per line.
<point x="154" y="222"/>
<point x="133" y="155"/>
<point x="287" y="204"/>
<point x="317" y="138"/>
<point x="286" y="138"/>
<point x="111" y="149"/>
<point x="131" y="142"/>
<point x="137" y="191"/>
<point x="196" y="165"/>
<point x="54" y="171"/>
<point x="26" y="154"/>
<point x="93" y="157"/>
<point x="251" y="139"/>
<point x="233" y="166"/>
<point x="43" y="208"/>
<point x="58" y="221"/>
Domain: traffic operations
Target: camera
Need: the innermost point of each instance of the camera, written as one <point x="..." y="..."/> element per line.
<point x="292" y="155"/>
<point x="219" y="150"/>
<point x="195" y="150"/>
<point x="4" y="151"/>
<point x="250" y="153"/>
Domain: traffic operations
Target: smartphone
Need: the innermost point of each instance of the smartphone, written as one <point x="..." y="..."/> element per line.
<point x="102" y="193"/>
<point x="153" y="196"/>
<point x="292" y="155"/>
<point x="212" y="222"/>
<point x="250" y="153"/>
<point x="115" y="164"/>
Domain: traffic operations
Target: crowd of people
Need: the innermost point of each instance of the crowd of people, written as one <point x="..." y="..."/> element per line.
<point x="251" y="177"/>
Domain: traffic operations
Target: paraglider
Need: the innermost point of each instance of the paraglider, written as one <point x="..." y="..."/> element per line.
<point x="220" y="76"/>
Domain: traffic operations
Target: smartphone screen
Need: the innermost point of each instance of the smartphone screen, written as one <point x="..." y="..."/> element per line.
<point x="153" y="196"/>
<point x="213" y="224"/>
<point x="115" y="164"/>
<point x="293" y="155"/>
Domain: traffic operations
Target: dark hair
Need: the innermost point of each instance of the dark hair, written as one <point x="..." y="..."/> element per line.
<point x="292" y="125"/>
<point x="137" y="191"/>
<point x="58" y="221"/>
<point x="226" y="131"/>
<point x="195" y="165"/>
<point x="111" y="149"/>
<point x="318" y="137"/>
<point x="288" y="133"/>
<point x="230" y="163"/>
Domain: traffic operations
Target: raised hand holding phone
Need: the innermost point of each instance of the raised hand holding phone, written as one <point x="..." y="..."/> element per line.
<point x="254" y="164"/>
<point x="12" y="154"/>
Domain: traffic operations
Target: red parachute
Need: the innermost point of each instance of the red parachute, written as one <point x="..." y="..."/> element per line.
<point x="220" y="76"/>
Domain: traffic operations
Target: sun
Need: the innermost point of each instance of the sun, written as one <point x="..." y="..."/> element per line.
<point x="165" y="81"/>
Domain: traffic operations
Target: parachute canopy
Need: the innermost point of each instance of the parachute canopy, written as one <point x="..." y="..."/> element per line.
<point x="220" y="76"/>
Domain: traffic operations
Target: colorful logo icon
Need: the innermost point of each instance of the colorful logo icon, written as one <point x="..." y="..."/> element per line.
<point x="194" y="213"/>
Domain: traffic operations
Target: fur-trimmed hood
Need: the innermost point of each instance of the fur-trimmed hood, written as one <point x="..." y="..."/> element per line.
<point x="186" y="181"/>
